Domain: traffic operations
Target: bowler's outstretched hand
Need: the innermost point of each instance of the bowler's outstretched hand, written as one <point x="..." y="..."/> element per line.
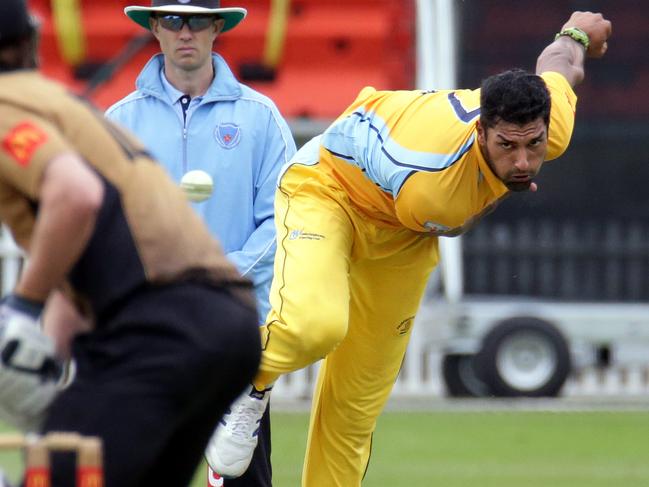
<point x="596" y="27"/>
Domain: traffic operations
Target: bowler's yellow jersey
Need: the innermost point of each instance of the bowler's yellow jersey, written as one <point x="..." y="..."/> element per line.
<point x="411" y="158"/>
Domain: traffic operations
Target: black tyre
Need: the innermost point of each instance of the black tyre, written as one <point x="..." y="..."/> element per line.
<point x="524" y="357"/>
<point x="460" y="377"/>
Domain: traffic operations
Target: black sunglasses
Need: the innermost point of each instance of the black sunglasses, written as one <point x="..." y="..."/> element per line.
<point x="194" y="22"/>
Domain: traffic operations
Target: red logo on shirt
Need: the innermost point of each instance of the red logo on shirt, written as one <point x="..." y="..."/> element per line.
<point x="22" y="141"/>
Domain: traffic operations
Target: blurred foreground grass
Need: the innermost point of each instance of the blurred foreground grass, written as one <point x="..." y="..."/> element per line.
<point x="485" y="449"/>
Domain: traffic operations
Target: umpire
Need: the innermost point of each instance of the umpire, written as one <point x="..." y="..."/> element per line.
<point x="105" y="228"/>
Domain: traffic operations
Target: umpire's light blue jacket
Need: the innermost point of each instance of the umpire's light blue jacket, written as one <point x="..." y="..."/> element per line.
<point x="236" y="135"/>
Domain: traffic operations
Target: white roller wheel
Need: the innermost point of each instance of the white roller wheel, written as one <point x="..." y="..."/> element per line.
<point x="526" y="360"/>
<point x="524" y="356"/>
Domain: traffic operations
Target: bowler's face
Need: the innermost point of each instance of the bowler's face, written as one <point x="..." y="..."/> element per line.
<point x="514" y="152"/>
<point x="186" y="50"/>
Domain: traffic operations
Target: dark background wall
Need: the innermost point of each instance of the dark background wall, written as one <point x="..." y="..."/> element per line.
<point x="606" y="169"/>
<point x="585" y="233"/>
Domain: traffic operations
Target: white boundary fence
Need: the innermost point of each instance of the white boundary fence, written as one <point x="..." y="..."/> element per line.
<point x="420" y="376"/>
<point x="11" y="261"/>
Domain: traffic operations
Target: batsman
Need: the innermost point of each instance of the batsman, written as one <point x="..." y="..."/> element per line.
<point x="358" y="213"/>
<point x="112" y="242"/>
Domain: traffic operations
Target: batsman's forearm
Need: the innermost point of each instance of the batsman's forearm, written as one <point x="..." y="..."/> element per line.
<point x="70" y="199"/>
<point x="53" y="252"/>
<point x="564" y="56"/>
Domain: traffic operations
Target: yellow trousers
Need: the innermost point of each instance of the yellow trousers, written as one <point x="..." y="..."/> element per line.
<point x="345" y="290"/>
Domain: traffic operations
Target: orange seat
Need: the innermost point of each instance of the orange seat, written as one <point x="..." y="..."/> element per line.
<point x="332" y="49"/>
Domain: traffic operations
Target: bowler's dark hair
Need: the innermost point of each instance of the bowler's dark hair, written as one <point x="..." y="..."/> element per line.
<point x="514" y="96"/>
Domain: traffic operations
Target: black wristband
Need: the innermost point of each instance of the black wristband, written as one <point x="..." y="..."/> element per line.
<point x="24" y="305"/>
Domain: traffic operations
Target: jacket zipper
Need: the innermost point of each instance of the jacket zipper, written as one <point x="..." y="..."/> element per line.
<point x="184" y="149"/>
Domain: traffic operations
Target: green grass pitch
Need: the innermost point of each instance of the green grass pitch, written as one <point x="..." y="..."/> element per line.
<point x="478" y="449"/>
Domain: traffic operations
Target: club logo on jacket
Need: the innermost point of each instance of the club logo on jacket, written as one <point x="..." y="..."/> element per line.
<point x="228" y="135"/>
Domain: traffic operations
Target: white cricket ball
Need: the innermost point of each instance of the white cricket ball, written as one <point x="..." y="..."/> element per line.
<point x="197" y="185"/>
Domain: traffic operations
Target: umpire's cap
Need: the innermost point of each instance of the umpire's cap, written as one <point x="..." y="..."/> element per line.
<point x="16" y="23"/>
<point x="231" y="15"/>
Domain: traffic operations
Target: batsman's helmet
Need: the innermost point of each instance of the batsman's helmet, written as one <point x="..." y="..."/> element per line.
<point x="16" y="23"/>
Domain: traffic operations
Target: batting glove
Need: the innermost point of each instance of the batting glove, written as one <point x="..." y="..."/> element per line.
<point x="29" y="370"/>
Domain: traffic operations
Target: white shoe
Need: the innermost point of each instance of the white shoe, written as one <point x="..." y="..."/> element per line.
<point x="230" y="449"/>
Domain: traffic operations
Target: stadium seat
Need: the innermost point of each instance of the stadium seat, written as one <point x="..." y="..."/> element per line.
<point x="332" y="49"/>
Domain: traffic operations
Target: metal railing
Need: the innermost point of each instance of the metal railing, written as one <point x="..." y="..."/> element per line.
<point x="567" y="260"/>
<point x="11" y="258"/>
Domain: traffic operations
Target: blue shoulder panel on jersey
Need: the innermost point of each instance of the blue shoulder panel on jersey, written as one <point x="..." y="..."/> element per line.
<point x="363" y="139"/>
<point x="338" y="137"/>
